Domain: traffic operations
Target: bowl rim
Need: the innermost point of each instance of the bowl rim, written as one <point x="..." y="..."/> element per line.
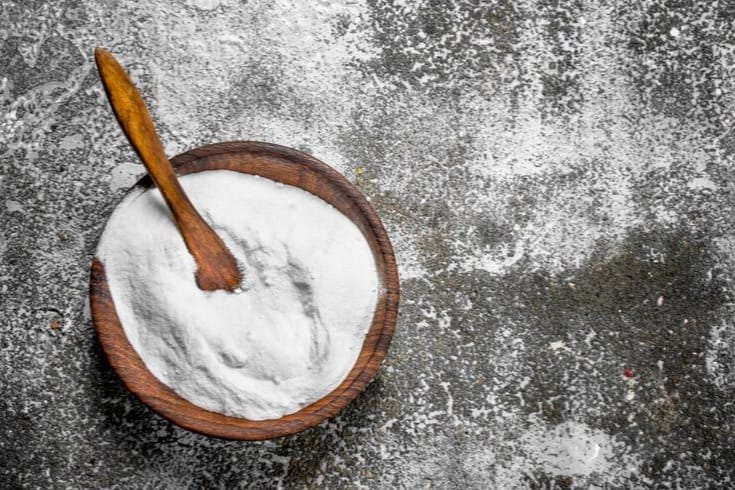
<point x="304" y="171"/>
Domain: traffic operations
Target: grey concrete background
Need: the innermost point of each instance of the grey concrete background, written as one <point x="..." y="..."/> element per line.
<point x="557" y="178"/>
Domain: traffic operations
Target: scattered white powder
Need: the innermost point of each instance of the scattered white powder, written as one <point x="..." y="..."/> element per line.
<point x="294" y="332"/>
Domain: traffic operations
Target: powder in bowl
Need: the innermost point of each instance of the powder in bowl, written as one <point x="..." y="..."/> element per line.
<point x="293" y="331"/>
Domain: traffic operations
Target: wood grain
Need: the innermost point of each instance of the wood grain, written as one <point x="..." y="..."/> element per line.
<point x="216" y="266"/>
<point x="289" y="167"/>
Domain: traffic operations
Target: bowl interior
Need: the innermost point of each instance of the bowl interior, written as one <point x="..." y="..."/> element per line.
<point x="289" y="167"/>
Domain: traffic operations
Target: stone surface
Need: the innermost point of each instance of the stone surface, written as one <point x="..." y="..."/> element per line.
<point x="557" y="178"/>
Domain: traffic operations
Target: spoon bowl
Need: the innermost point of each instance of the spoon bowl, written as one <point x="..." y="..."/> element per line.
<point x="298" y="169"/>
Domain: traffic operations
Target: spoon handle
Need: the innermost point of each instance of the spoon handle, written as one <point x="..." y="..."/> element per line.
<point x="217" y="268"/>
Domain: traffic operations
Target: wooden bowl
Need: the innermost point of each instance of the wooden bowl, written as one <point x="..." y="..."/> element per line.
<point x="289" y="167"/>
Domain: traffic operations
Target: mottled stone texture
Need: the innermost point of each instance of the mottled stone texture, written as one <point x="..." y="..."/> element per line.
<point x="557" y="178"/>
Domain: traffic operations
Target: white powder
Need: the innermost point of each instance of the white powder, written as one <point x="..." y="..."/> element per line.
<point x="294" y="332"/>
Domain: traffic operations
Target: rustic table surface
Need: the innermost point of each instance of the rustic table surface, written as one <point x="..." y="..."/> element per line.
<point x="558" y="182"/>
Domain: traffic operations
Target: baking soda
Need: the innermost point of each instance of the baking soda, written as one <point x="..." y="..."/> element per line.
<point x="295" y="327"/>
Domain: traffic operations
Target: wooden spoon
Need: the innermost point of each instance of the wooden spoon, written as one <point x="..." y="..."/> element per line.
<point x="216" y="267"/>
